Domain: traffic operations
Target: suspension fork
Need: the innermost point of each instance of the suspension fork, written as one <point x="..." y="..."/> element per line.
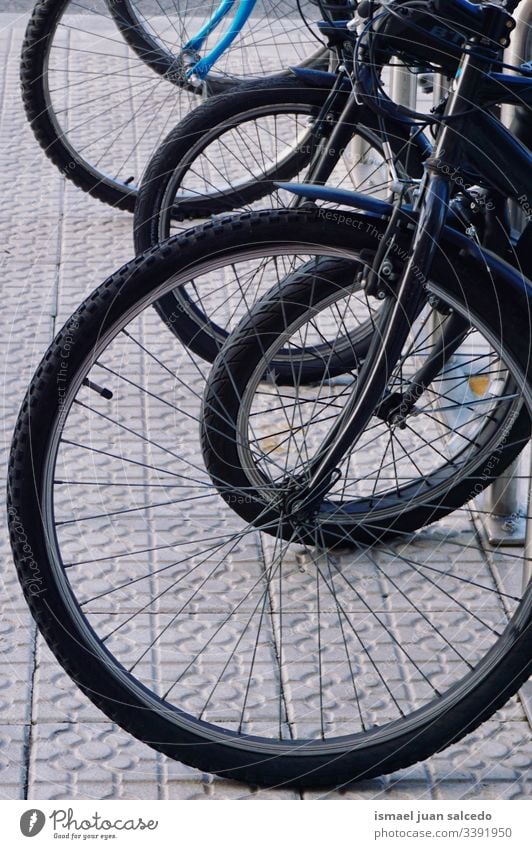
<point x="404" y="306"/>
<point x="390" y="334"/>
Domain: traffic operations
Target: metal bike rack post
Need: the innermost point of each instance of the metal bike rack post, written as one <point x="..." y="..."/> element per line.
<point x="527" y="564"/>
<point x="441" y="85"/>
<point x="520" y="48"/>
<point x="403" y="85"/>
<point x="504" y="520"/>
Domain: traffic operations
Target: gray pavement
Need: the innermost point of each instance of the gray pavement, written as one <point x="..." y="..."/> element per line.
<point x="56" y="245"/>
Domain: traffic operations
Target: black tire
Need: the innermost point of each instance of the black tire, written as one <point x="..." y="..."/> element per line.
<point x="181" y="155"/>
<point x="233" y="454"/>
<point x="498" y="664"/>
<point x="177" y="154"/>
<point x="38" y="40"/>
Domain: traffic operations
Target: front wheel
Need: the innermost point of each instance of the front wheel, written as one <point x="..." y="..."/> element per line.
<point x="413" y="463"/>
<point x="221" y="645"/>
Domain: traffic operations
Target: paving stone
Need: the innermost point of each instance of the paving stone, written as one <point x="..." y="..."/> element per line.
<point x="16" y="635"/>
<point x="182" y="782"/>
<point x="482" y="790"/>
<point x="376" y="789"/>
<point x="56" y="698"/>
<point x="13" y="759"/>
<point x="497" y="751"/>
<point x="88" y="760"/>
<point x="12" y="790"/>
<point x="15" y="687"/>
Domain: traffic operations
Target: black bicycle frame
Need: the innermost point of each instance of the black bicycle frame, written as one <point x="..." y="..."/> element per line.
<point x="484" y="142"/>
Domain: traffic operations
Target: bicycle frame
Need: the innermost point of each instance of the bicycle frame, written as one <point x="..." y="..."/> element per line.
<point x="200" y="69"/>
<point x="197" y="41"/>
<point x="486" y="142"/>
<point x="185" y="67"/>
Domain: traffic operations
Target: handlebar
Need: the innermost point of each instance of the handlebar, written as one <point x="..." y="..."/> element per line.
<point x="461" y="13"/>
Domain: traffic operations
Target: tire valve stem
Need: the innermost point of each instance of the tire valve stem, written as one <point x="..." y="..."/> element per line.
<point x="101" y="390"/>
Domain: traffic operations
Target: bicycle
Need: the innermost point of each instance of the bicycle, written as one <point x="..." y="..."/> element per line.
<point x="103" y="80"/>
<point x="208" y="636"/>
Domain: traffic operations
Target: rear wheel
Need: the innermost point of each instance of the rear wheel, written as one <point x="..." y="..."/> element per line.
<point x="98" y="98"/>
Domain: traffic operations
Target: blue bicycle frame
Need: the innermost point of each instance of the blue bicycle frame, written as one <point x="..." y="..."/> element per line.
<point x="199" y="70"/>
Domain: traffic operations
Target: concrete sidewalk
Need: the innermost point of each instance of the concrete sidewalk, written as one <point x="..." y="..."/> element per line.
<point x="56" y="245"/>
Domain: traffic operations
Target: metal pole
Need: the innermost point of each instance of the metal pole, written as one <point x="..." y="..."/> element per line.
<point x="527" y="562"/>
<point x="505" y="524"/>
<point x="519" y="50"/>
<point x="403" y="85"/>
<point x="441" y="86"/>
<point x="504" y="520"/>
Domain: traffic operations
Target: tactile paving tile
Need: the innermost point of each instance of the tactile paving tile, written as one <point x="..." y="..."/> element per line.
<point x="13" y="760"/>
<point x="90" y="760"/>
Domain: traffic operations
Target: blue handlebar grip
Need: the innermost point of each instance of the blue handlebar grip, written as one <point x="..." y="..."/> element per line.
<point x="471" y="11"/>
<point x="202" y="68"/>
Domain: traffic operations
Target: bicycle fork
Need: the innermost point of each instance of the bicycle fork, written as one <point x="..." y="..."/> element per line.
<point x="390" y="334"/>
<point x="402" y="307"/>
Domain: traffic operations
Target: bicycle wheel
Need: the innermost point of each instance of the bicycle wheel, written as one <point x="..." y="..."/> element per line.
<point x="221" y="299"/>
<point x="94" y="102"/>
<point x="226" y="155"/>
<point x="259" y="437"/>
<point x="199" y="634"/>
